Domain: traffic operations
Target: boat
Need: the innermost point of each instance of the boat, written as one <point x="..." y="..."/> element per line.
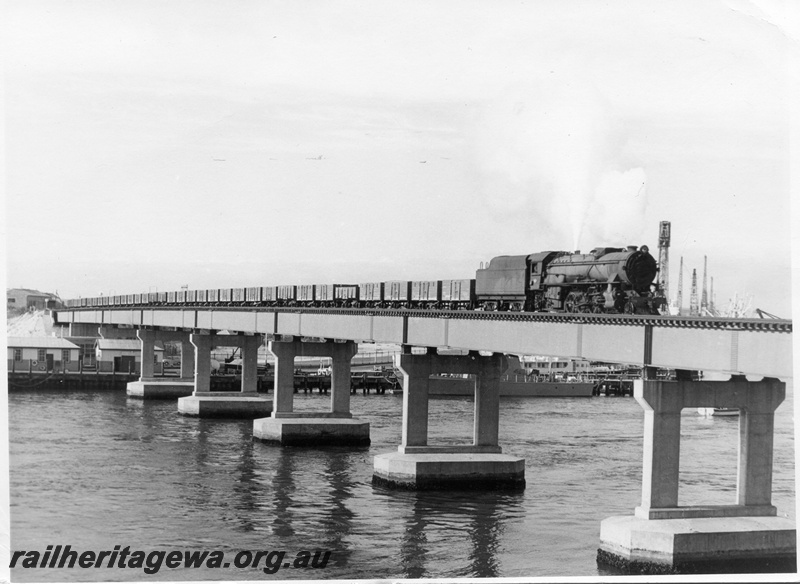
<point x="708" y="412"/>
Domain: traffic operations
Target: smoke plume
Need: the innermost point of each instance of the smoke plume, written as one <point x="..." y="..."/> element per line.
<point x="554" y="151"/>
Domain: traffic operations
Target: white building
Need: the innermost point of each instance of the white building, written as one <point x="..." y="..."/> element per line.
<point x="123" y="355"/>
<point x="42" y="354"/>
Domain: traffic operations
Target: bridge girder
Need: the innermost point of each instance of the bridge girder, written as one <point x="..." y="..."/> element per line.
<point x="754" y="351"/>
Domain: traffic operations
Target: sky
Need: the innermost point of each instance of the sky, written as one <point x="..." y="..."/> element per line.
<point x="151" y="145"/>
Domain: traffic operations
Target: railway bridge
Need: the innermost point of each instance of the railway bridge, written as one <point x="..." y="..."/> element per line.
<point x="756" y="354"/>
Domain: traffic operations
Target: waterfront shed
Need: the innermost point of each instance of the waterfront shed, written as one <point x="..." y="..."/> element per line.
<point x="123" y="355"/>
<point x="42" y="354"/>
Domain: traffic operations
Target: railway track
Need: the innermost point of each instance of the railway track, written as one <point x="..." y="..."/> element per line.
<point x="696" y="322"/>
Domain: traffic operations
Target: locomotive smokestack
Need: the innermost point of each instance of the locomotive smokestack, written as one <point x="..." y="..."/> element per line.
<point x="632" y="248"/>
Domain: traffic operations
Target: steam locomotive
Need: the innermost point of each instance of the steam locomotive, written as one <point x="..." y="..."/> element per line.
<point x="606" y="280"/>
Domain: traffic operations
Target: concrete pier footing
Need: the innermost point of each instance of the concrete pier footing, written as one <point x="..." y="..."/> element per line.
<point x="225" y="404"/>
<point x="697" y="545"/>
<point x="664" y="537"/>
<point x="336" y="427"/>
<point x="480" y="465"/>
<point x="244" y="404"/>
<point x="149" y="387"/>
<point x="467" y="471"/>
<point x="160" y="388"/>
<point x="315" y="431"/>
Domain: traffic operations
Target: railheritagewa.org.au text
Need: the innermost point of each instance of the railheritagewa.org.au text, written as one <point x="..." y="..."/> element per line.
<point x="268" y="561"/>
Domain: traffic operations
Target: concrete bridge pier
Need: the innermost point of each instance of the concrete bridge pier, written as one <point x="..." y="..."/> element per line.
<point x="481" y="465"/>
<point x="662" y="536"/>
<point x="187" y="358"/>
<point x="244" y="404"/>
<point x="336" y="427"/>
<point x="150" y="387"/>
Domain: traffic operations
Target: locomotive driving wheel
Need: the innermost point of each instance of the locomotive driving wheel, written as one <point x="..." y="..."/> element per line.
<point x="572" y="301"/>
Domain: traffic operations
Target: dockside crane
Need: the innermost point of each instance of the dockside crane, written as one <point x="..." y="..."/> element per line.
<point x="765" y="314"/>
<point x="704" y="298"/>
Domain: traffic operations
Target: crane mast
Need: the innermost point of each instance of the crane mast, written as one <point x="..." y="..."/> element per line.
<point x="711" y="307"/>
<point x="704" y="298"/>
<point x="694" y="306"/>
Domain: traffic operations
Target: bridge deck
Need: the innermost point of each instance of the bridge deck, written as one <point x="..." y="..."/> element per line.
<point x="747" y="346"/>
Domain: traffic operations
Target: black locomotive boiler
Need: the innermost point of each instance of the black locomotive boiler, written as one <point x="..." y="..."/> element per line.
<point x="607" y="279"/>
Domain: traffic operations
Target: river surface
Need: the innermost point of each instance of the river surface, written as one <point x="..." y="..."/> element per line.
<point x="96" y="469"/>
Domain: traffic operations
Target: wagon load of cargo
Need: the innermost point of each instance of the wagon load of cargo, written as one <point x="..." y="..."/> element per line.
<point x="370" y="293"/>
<point x="345" y="294"/>
<point x="335" y="295"/>
<point x="305" y="293"/>
<point x="425" y="293"/>
<point x="286" y="294"/>
<point x="458" y="294"/>
<point x="398" y="293"/>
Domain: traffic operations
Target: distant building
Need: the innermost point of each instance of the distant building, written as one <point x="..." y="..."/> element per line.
<point x="42" y="354"/>
<point x="25" y="299"/>
<point x="549" y="366"/>
<point x="123" y="355"/>
<point x="86" y="335"/>
<point x="86" y="345"/>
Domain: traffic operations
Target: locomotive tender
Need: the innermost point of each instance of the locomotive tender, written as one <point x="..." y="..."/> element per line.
<point x="606" y="280"/>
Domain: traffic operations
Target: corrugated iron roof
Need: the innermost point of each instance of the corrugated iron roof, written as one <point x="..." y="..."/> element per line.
<point x="40" y="343"/>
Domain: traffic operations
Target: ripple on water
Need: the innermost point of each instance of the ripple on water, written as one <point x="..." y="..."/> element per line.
<point x="92" y="468"/>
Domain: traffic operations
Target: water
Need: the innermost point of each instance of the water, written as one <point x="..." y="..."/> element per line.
<point x="96" y="469"/>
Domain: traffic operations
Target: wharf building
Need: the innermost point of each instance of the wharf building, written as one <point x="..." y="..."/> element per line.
<point x="42" y="354"/>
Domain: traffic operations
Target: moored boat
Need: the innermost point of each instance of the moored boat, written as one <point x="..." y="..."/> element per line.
<point x="707" y="412"/>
